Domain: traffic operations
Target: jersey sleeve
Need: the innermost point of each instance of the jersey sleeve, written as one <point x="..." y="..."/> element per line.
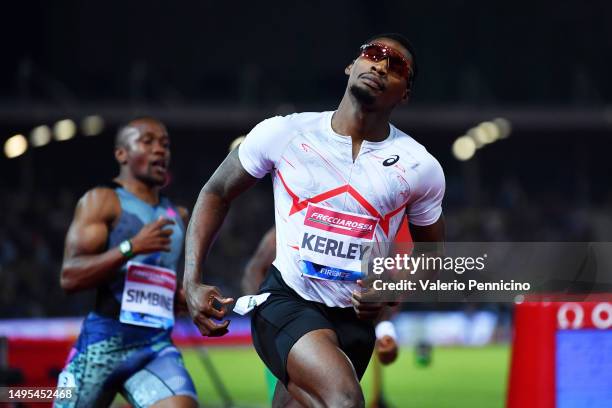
<point x="263" y="146"/>
<point x="427" y="206"/>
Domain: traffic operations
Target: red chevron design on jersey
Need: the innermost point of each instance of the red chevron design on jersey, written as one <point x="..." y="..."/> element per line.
<point x="298" y="205"/>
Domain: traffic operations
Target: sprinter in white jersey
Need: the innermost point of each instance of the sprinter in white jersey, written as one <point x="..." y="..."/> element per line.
<point x="341" y="178"/>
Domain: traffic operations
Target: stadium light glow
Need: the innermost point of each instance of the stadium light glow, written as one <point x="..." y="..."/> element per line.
<point x="504" y="126"/>
<point x="64" y="130"/>
<point x="15" y="146"/>
<point x="40" y="136"/>
<point x="464" y="148"/>
<point x="490" y="131"/>
<point x="478" y="136"/>
<point x="92" y="125"/>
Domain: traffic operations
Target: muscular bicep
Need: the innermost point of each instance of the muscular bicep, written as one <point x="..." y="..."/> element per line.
<point x="230" y="179"/>
<point x="88" y="232"/>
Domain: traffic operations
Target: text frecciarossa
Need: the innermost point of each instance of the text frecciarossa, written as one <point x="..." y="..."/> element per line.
<point x="342" y="222"/>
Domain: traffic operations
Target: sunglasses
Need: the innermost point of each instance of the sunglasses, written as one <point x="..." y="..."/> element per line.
<point x="377" y="52"/>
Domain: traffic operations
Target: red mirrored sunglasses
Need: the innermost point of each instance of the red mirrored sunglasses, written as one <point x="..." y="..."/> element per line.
<point x="398" y="64"/>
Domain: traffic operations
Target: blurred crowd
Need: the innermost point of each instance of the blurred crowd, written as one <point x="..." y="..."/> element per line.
<point x="34" y="226"/>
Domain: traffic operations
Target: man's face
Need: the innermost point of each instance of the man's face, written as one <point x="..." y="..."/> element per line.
<point x="375" y="85"/>
<point x="147" y="154"/>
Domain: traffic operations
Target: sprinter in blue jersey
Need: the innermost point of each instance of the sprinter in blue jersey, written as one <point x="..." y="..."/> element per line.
<point x="125" y="241"/>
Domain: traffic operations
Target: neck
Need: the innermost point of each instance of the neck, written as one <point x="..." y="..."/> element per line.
<point x="355" y="120"/>
<point x="147" y="193"/>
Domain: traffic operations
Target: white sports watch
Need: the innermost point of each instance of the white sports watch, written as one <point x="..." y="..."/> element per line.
<point x="125" y="247"/>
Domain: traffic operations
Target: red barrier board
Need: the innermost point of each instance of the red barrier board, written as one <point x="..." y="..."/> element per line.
<point x="536" y="379"/>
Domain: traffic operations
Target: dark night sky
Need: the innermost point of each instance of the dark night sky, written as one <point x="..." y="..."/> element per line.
<point x="253" y="54"/>
<point x="272" y="52"/>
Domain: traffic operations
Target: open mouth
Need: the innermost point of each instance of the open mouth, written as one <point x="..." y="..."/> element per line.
<point x="159" y="165"/>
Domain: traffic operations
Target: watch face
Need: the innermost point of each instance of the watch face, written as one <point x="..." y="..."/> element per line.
<point x="125" y="247"/>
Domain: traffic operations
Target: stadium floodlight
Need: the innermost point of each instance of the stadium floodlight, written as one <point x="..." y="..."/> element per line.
<point x="464" y="148"/>
<point x="64" y="130"/>
<point x="92" y="125"/>
<point x="15" y="146"/>
<point x="40" y="136"/>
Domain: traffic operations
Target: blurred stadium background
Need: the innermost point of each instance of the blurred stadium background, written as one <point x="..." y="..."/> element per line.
<point x="536" y="73"/>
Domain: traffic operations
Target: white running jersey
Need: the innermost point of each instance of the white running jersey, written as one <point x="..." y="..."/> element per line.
<point x="326" y="204"/>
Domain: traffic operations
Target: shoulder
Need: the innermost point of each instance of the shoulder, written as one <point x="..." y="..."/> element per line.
<point x="426" y="164"/>
<point x="98" y="195"/>
<point x="406" y="142"/>
<point x="294" y="121"/>
<point x="266" y="142"/>
<point x="100" y="203"/>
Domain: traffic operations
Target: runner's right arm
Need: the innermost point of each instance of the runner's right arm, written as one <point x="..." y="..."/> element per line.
<point x="87" y="263"/>
<point x="213" y="203"/>
<point x="257" y="156"/>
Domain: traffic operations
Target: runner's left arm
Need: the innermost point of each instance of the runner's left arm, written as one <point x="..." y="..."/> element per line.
<point x="425" y="217"/>
<point x="386" y="343"/>
<point x="427" y="228"/>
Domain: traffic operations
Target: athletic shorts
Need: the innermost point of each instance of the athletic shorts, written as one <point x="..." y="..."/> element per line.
<point x="143" y="370"/>
<point x="278" y="323"/>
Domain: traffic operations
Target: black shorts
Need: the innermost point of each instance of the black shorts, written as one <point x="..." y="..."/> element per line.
<point x="285" y="317"/>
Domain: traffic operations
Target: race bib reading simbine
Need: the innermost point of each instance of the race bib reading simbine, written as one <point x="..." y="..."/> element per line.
<point x="148" y="296"/>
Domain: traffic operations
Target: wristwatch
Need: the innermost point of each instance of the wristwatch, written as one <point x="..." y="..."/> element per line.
<point x="125" y="247"/>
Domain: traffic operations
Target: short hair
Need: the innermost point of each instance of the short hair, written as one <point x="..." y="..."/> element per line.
<point x="406" y="44"/>
<point x="127" y="129"/>
<point x="121" y="139"/>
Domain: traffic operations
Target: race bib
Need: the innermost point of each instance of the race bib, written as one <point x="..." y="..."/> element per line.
<point x="333" y="243"/>
<point x="148" y="296"/>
